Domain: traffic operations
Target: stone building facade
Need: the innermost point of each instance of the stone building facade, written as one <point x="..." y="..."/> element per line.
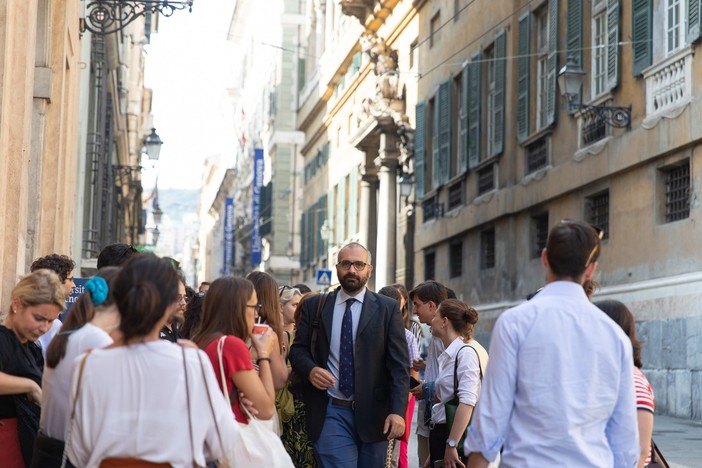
<point x="358" y="91"/>
<point x="500" y="156"/>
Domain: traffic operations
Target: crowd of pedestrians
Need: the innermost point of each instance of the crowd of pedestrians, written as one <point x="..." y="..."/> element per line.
<point x="145" y="371"/>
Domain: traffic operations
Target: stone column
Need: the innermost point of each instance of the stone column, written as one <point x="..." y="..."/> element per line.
<point x="368" y="213"/>
<point x="387" y="211"/>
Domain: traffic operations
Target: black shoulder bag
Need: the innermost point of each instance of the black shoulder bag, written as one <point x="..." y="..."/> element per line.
<point x="297" y="382"/>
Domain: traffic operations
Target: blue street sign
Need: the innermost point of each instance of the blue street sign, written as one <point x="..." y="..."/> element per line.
<point x="324" y="277"/>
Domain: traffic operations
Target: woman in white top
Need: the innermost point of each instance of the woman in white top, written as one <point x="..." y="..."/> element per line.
<point x="142" y="399"/>
<point x="87" y="326"/>
<point x="461" y="362"/>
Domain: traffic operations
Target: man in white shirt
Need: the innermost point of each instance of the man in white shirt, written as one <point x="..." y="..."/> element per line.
<point x="558" y="389"/>
<point x="426" y="298"/>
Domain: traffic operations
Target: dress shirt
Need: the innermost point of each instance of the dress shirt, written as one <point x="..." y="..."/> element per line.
<point x="431" y="372"/>
<point x="412" y="346"/>
<point x="468" y="373"/>
<point x="558" y="389"/>
<point x="339" y="309"/>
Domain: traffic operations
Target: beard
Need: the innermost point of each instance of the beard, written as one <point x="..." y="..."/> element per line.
<point x="352" y="283"/>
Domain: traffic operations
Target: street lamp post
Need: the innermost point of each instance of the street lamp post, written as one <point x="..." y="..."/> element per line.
<point x="110" y="16"/>
<point x="326" y="232"/>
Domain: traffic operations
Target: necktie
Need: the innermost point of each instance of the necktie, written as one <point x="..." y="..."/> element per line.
<point x="346" y="368"/>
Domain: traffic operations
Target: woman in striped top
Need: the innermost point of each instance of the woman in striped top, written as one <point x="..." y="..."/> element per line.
<point x="645" y="401"/>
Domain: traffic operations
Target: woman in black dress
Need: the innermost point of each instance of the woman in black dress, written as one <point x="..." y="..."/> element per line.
<point x="36" y="302"/>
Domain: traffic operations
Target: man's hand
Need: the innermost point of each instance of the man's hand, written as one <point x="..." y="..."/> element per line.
<point x="419" y="364"/>
<point x="321" y="378"/>
<point x="394" y="426"/>
<point x="418" y="392"/>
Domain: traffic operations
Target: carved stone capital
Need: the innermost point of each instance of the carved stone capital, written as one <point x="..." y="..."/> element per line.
<point x="360" y="9"/>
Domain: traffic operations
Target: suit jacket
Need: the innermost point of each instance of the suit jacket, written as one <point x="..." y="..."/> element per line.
<point x="381" y="363"/>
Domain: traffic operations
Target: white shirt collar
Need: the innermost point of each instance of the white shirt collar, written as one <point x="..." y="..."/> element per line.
<point x="342" y="296"/>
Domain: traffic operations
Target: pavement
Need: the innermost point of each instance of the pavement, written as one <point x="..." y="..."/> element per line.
<point x="679" y="440"/>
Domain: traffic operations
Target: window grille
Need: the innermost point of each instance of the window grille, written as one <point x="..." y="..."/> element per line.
<point x="486" y="179"/>
<point x="598" y="212"/>
<point x="456" y="259"/>
<point x="487" y="249"/>
<point x="539" y="234"/>
<point x="455" y="195"/>
<point x="593" y="128"/>
<point x="536" y="155"/>
<point x="677" y="193"/>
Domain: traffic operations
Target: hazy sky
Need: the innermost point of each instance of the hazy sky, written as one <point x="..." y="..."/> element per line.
<point x="189" y="67"/>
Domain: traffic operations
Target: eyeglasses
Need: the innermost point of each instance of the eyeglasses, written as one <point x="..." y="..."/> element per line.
<point x="282" y="290"/>
<point x="181" y="297"/>
<point x="357" y="265"/>
<point x="256" y="307"/>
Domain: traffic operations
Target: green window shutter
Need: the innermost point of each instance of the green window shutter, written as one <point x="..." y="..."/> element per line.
<point x="694" y="20"/>
<point x="331" y="212"/>
<point x="341" y="211"/>
<point x="552" y="92"/>
<point x="523" y="64"/>
<point x="310" y="233"/>
<point x="574" y="36"/>
<point x="612" y="43"/>
<point x="321" y="218"/>
<point x="462" y="156"/>
<point x="498" y="106"/>
<point x="353" y="201"/>
<point x="419" y="149"/>
<point x="474" y="101"/>
<point x="642" y="34"/>
<point x="444" y="167"/>
<point x="303" y="237"/>
<point x="435" y="146"/>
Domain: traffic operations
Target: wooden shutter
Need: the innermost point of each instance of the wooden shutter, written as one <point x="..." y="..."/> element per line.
<point x="612" y="43"/>
<point x="310" y="232"/>
<point x="419" y="150"/>
<point x="641" y="32"/>
<point x="462" y="157"/>
<point x="321" y="218"/>
<point x="474" y="101"/>
<point x="574" y="38"/>
<point x="694" y="20"/>
<point x="441" y="149"/>
<point x="353" y="201"/>
<point x="303" y="241"/>
<point x="340" y="210"/>
<point x="498" y="105"/>
<point x="523" y="72"/>
<point x="552" y="92"/>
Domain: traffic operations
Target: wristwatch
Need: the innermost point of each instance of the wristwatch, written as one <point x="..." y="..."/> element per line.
<point x="451" y="443"/>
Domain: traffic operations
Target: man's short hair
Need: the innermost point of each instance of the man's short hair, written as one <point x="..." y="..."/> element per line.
<point x="115" y="255"/>
<point x="355" y="244"/>
<point x="429" y="291"/>
<point x="571" y="247"/>
<point x="62" y="265"/>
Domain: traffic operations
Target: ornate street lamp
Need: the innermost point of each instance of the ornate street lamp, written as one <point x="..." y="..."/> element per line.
<point x="570" y="81"/>
<point x="155" y="233"/>
<point x="109" y="16"/>
<point x="157" y="214"/>
<point x="153" y="144"/>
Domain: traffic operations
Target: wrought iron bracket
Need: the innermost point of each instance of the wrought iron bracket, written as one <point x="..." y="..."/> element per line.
<point x="109" y="16"/>
<point x="616" y="117"/>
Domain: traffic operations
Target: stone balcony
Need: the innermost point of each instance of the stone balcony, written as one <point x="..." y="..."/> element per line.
<point x="668" y="87"/>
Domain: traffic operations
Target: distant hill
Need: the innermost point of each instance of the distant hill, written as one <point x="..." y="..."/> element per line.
<point x="178" y="202"/>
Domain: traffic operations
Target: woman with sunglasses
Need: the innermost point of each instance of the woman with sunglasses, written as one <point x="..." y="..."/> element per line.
<point x="230" y="311"/>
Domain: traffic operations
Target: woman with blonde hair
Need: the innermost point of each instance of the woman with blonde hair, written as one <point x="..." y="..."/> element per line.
<point x="36" y="302"/>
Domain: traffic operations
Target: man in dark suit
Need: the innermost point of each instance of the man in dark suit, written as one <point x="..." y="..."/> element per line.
<point x="358" y="372"/>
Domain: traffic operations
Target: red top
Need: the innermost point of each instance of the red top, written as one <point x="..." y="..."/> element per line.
<point x="644" y="396"/>
<point x="235" y="357"/>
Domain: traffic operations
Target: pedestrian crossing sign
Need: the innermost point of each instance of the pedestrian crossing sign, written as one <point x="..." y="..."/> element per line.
<point x="324" y="277"/>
